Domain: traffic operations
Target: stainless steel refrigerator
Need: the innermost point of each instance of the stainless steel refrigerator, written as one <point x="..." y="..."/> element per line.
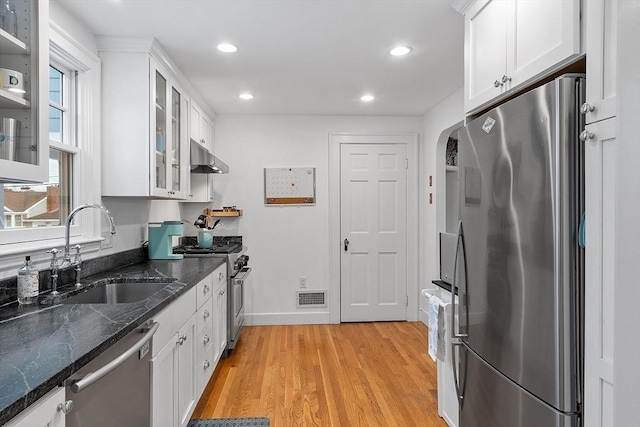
<point x="518" y="268"/>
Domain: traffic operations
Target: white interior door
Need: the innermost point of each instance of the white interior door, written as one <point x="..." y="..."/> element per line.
<point x="374" y="232"/>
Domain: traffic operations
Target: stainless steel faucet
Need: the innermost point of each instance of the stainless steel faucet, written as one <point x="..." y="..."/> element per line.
<point x="66" y="259"/>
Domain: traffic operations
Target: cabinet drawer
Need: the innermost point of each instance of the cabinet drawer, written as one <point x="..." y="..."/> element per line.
<point x="219" y="276"/>
<point x="172" y="318"/>
<point x="205" y="289"/>
<point x="204" y="328"/>
<point x="204" y="369"/>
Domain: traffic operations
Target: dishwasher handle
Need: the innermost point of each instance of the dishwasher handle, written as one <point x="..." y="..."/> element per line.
<point x="79" y="385"/>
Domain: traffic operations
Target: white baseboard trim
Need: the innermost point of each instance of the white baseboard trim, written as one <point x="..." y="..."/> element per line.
<point x="423" y="317"/>
<point x="261" y="319"/>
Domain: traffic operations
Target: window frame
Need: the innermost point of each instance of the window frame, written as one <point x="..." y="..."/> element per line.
<point x="70" y="54"/>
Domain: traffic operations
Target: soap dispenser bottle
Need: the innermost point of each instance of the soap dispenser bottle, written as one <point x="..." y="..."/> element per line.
<point x="28" y="283"/>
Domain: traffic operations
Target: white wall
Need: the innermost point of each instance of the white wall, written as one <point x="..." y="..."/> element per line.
<point x="443" y="116"/>
<point x="285" y="243"/>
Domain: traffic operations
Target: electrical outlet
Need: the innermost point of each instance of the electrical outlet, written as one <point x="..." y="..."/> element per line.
<point x="107" y="241"/>
<point x="303" y="282"/>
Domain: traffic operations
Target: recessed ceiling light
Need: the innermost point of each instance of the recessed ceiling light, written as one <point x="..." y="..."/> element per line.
<point x="400" y="50"/>
<point x="227" y="48"/>
<point x="367" y="98"/>
<point x="245" y="96"/>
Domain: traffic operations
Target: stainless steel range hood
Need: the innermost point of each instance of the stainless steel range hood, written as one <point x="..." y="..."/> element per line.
<point x="202" y="161"/>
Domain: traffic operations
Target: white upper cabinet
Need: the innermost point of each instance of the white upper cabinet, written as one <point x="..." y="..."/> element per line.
<point x="511" y="43"/>
<point x="201" y="127"/>
<point x="601" y="50"/>
<point x="485" y="52"/>
<point x="201" y="188"/>
<point x="145" y="127"/>
<point x="24" y="101"/>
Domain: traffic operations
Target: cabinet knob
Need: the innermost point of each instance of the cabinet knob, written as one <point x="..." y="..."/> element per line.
<point x="205" y="289"/>
<point x="180" y="340"/>
<point x="497" y="83"/>
<point x="220" y="276"/>
<point x="206" y="364"/>
<point x="506" y="78"/>
<point x="206" y="339"/>
<point x="587" y="108"/>
<point x="585" y="135"/>
<point x="205" y="314"/>
<point x="65" y="407"/>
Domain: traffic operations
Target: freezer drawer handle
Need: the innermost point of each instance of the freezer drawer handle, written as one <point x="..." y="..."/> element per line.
<point x="79" y="385"/>
<point x="456" y="378"/>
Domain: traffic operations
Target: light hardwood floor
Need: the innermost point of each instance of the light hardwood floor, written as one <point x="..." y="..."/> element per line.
<point x="350" y="374"/>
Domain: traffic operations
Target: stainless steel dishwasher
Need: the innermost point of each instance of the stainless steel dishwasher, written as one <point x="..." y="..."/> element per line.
<point x="114" y="388"/>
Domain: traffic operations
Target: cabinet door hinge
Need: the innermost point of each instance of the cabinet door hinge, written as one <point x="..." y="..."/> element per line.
<point x="406" y="164"/>
<point x="407" y="301"/>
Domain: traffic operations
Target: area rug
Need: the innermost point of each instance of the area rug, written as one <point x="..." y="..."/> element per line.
<point x="230" y="422"/>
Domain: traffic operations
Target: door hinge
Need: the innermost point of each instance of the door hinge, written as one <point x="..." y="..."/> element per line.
<point x="407" y="301"/>
<point x="406" y="164"/>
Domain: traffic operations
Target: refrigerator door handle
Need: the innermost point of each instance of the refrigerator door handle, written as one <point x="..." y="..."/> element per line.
<point x="459" y="239"/>
<point x="456" y="337"/>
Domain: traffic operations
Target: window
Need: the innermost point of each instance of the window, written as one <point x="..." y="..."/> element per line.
<point x="32" y="216"/>
<point x="49" y="203"/>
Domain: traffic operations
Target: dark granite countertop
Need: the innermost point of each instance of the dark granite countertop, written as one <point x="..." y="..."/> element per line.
<point x="41" y="346"/>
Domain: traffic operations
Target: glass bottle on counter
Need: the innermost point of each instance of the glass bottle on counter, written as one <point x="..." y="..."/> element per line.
<point x="28" y="283"/>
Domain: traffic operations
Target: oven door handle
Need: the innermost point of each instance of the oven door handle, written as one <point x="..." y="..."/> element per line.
<point x="242" y="274"/>
<point x="78" y="386"/>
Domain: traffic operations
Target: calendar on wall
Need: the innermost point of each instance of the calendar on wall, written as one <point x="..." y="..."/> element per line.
<point x="289" y="186"/>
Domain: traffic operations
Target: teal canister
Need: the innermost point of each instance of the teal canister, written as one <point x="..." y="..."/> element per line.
<point x="160" y="239"/>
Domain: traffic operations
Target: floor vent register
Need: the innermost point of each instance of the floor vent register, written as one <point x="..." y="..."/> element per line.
<point x="312" y="299"/>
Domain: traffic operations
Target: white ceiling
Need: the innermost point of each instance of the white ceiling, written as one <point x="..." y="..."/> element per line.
<point x="299" y="56"/>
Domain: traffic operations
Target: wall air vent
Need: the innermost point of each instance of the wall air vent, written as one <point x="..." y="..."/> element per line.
<point x="312" y="299"/>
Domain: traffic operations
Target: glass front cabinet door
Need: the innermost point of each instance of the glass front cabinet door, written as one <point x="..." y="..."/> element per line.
<point x="24" y="64"/>
<point x="169" y="106"/>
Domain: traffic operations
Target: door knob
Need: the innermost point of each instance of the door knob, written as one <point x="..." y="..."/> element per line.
<point x="346" y="244"/>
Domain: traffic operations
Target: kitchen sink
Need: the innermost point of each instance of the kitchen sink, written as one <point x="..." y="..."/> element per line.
<point x="119" y="290"/>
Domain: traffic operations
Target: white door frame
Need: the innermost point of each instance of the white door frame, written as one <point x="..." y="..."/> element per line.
<point x="335" y="245"/>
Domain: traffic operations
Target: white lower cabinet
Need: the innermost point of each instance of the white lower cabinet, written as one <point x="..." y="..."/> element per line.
<point x="186" y="349"/>
<point x="600" y="201"/>
<point x="212" y="325"/>
<point x="173" y="379"/>
<point x="47" y="411"/>
<point x="220" y="320"/>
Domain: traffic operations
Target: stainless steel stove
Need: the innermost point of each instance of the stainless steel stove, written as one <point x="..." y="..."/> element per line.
<point x="232" y="249"/>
